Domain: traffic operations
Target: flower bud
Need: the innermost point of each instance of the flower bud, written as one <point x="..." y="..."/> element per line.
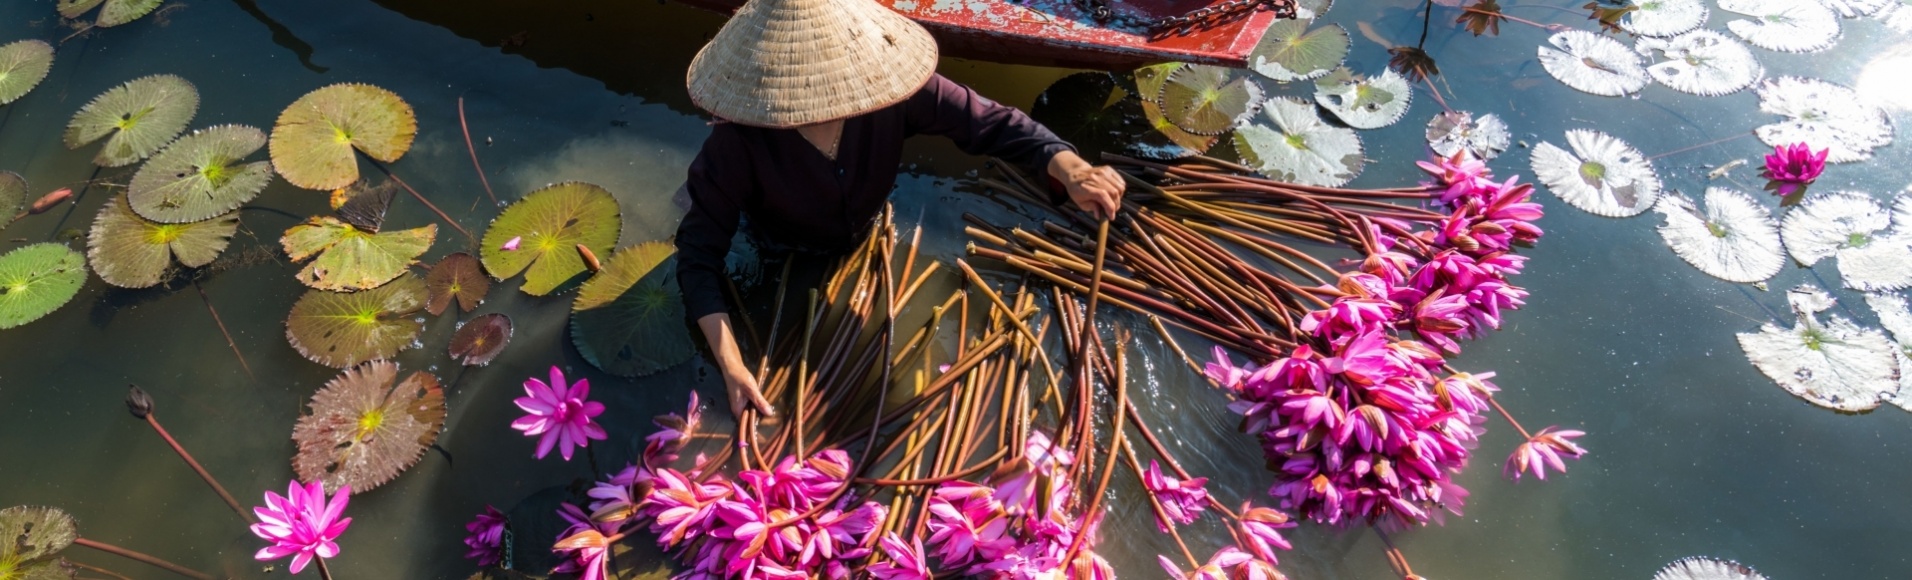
<point x="138" y="402"/>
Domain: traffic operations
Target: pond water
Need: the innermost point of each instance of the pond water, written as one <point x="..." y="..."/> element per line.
<point x="1694" y="452"/>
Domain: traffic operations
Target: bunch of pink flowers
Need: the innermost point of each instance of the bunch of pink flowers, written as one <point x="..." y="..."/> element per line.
<point x="1017" y="526"/>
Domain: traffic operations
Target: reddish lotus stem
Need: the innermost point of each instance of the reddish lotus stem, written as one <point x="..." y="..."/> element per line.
<point x="428" y="203"/>
<point x="222" y="330"/>
<point x="972" y="470"/>
<point x="143" y="558"/>
<point x="324" y="572"/>
<point x="1509" y="417"/>
<point x="1504" y="16"/>
<point x="99" y="570"/>
<point x="474" y="152"/>
<point x="153" y="420"/>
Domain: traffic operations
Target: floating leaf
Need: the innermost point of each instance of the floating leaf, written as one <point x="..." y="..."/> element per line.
<point x="363" y="431"/>
<point x="1853" y="227"/>
<point x="141" y="116"/>
<point x="1603" y="175"/>
<point x="481" y="339"/>
<point x="340" y="330"/>
<point x="1592" y="63"/>
<point x="313" y="141"/>
<point x="1168" y="141"/>
<point x="1897" y="320"/>
<point x="1091" y="111"/>
<point x="33" y="538"/>
<point x="199" y="176"/>
<point x="1784" y="25"/>
<point x="119" y="12"/>
<point x="1837" y="365"/>
<point x="1609" y="14"/>
<point x="1208" y="100"/>
<point x="1455" y="131"/>
<point x="456" y="276"/>
<point x="1289" y="51"/>
<point x="13" y="196"/>
<point x="1858" y="8"/>
<point x="1665" y="17"/>
<point x="629" y="319"/>
<point x="1290" y="142"/>
<point x="364" y="205"/>
<point x="349" y="258"/>
<point x="1482" y="17"/>
<point x="1734" y="239"/>
<point x="1365" y="103"/>
<point x="1704" y="568"/>
<point x="1701" y="62"/>
<point x="1149" y="80"/>
<point x="23" y="64"/>
<point x="1414" y="64"/>
<point x="550" y="223"/>
<point x="1823" y="116"/>
<point x="1896" y="16"/>
<point x="1311" y="9"/>
<point x="75" y="8"/>
<point x="132" y="252"/>
<point x="36" y="280"/>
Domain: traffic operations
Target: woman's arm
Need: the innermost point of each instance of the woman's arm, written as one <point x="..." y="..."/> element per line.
<point x="739" y="382"/>
<point x="703" y="240"/>
<point x="980" y="126"/>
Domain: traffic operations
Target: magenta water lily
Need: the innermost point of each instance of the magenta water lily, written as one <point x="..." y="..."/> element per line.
<point x="1792" y="167"/>
<point x="485" y="539"/>
<point x="302" y="524"/>
<point x="559" y="414"/>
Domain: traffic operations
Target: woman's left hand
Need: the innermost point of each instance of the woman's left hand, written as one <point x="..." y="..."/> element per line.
<point x="1096" y="189"/>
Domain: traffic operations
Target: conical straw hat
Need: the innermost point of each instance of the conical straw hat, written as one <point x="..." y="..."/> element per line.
<point x="785" y="63"/>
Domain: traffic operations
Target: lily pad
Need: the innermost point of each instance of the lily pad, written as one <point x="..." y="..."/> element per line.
<point x="1734" y="239"/>
<point x="456" y="276"/>
<point x="36" y="280"/>
<point x="1451" y="132"/>
<point x="1858" y="8"/>
<point x="1365" y="102"/>
<point x="550" y="223"/>
<point x="340" y="330"/>
<point x="1091" y="111"/>
<point x="313" y="142"/>
<point x="200" y="176"/>
<point x="364" y="205"/>
<point x="1208" y="100"/>
<point x="1290" y="142"/>
<point x="1602" y="176"/>
<point x="1704" y="568"/>
<point x="1872" y="249"/>
<point x="1701" y="62"/>
<point x="1289" y="51"/>
<point x="1825" y="116"/>
<point x="1149" y="80"/>
<point x="13" y="196"/>
<point x="1168" y="141"/>
<point x="1837" y="364"/>
<point x="1894" y="315"/>
<point x="629" y="319"/>
<point x="23" y="64"/>
<point x="1594" y="64"/>
<point x="1311" y="9"/>
<point x="1664" y="17"/>
<point x="132" y="252"/>
<point x="349" y="258"/>
<point x="481" y="339"/>
<point x="140" y="116"/>
<point x="363" y="431"/>
<point x="34" y="537"/>
<point x="1896" y="16"/>
<point x="1784" y="25"/>
<point x="115" y="13"/>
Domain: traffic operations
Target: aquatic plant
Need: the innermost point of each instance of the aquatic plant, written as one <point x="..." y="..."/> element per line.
<point x="1734" y="239"/>
<point x="1704" y="568"/>
<point x="559" y="414"/>
<point x="1483" y="137"/>
<point x="13" y="197"/>
<point x="114" y="12"/>
<point x="303" y="524"/>
<point x="23" y="64"/>
<point x="1208" y="100"/>
<point x="486" y="541"/>
<point x="36" y="535"/>
<point x="1784" y="25"/>
<point x="1791" y="168"/>
<point x="1290" y="142"/>
<point x="456" y="277"/>
<point x="130" y="251"/>
<point x="314" y="140"/>
<point x="1665" y="18"/>
<point x="136" y="119"/>
<point x="364" y="430"/>
<point x="1835" y="364"/>
<point x="1822" y="115"/>
<point x="1365" y="102"/>
<point x="201" y="176"/>
<point x="1292" y="51"/>
<point x="1701" y="62"/>
<point x="551" y="223"/>
<point x="340" y="330"/>
<point x="1181" y="500"/>
<point x="628" y="318"/>
<point x="140" y="404"/>
<point x="346" y="258"/>
<point x="1869" y="243"/>
<point x="37" y="279"/>
<point x="1602" y="175"/>
<point x="481" y="339"/>
<point x="1543" y="450"/>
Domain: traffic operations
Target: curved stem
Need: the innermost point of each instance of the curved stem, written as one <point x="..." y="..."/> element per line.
<point x="474" y="153"/>
<point x="153" y="420"/>
<point x="143" y="558"/>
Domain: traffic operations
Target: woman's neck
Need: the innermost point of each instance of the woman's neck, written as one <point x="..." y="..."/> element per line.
<point x="825" y="136"/>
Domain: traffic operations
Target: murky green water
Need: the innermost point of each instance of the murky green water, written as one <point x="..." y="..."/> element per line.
<point x="1694" y="452"/>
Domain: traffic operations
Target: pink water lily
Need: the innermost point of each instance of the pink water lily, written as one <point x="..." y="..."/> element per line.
<point x="301" y="524"/>
<point x="485" y="539"/>
<point x="1182" y="500"/>
<point x="560" y="416"/>
<point x="906" y="560"/>
<point x="1792" y="167"/>
<point x="1544" y="450"/>
<point x="511" y="245"/>
<point x="585" y="545"/>
<point x="1215" y="569"/>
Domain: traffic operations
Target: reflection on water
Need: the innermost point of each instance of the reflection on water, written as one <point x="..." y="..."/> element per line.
<point x="1694" y="452"/>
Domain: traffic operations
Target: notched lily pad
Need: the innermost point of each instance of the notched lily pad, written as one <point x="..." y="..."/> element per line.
<point x="1784" y="25"/>
<point x="1592" y="63"/>
<point x="115" y="13"/>
<point x="132" y="252"/>
<point x="1872" y="246"/>
<point x="1837" y="364"/>
<point x="363" y="431"/>
<point x="1701" y="62"/>
<point x="35" y="280"/>
<point x="1451" y="132"/>
<point x="1825" y="116"/>
<point x="1704" y="568"/>
<point x="350" y="258"/>
<point x="1602" y="175"/>
<point x="1289" y="51"/>
<point x="13" y="196"/>
<point x="549" y="224"/>
<point x="31" y="538"/>
<point x="201" y="175"/>
<point x="1365" y="102"/>
<point x="629" y="319"/>
<point x="140" y="117"/>
<point x="313" y="142"/>
<point x="481" y="339"/>
<point x="1290" y="142"/>
<point x="1664" y="17"/>
<point x="1208" y="100"/>
<point x="1168" y="141"/>
<point x="23" y="64"/>
<point x="1734" y="239"/>
<point x="340" y="330"/>
<point x="457" y="276"/>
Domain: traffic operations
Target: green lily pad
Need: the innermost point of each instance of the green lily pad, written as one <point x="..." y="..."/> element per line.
<point x="13" y="196"/>
<point x="141" y="116"/>
<point x="199" y="176"/>
<point x="23" y="64"/>
<point x="1365" y="102"/>
<point x="1290" y="52"/>
<point x="629" y="319"/>
<point x="33" y="536"/>
<point x="1091" y="111"/>
<point x="1149" y="80"/>
<point x="549" y="224"/>
<point x="36" y="280"/>
<point x="456" y="276"/>
<point x="363" y="431"/>
<point x="76" y="8"/>
<point x="131" y="252"/>
<point x="115" y="13"/>
<point x="349" y="258"/>
<point x="340" y="330"/>
<point x="1209" y="100"/>
<point x="1168" y="141"/>
<point x="313" y="142"/>
<point x="481" y="340"/>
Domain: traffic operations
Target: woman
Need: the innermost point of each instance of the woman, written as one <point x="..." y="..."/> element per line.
<point x="813" y="99"/>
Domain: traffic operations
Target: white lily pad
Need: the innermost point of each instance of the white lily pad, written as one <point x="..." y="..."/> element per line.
<point x="1733" y="239"/>
<point x="1289" y="141"/>
<point x="1311" y="9"/>
<point x="1784" y="25"/>
<point x="1896" y="15"/>
<point x="1665" y="17"/>
<point x="1602" y="175"/>
<point x="1592" y="63"/>
<point x="1837" y="365"/>
<point x="1897" y="320"/>
<point x="1365" y="102"/>
<point x="1874" y="249"/>
<point x="1825" y="116"/>
<point x="1451" y="132"/>
<point x="1704" y="568"/>
<point x="1701" y="62"/>
<point x="1857" y="8"/>
<point x="1289" y="51"/>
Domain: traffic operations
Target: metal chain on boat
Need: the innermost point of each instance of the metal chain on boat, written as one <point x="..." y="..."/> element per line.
<point x="1216" y="14"/>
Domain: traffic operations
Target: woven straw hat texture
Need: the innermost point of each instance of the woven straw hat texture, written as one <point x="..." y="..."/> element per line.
<point x="786" y="63"/>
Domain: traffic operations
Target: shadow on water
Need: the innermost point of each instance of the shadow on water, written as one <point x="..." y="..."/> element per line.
<point x="282" y="36"/>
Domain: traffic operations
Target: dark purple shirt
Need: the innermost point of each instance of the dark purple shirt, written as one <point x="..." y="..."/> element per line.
<point x="795" y="195"/>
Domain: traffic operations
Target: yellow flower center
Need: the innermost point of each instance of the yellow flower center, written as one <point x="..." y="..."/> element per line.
<point x="370" y="422"/>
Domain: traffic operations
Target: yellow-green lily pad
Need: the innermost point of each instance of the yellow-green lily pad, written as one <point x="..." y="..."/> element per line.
<point x="201" y="176"/>
<point x="36" y="280"/>
<point x="140" y="117"/>
<point x="23" y="64"/>
<point x="35" y="535"/>
<point x="13" y="196"/>
<point x="629" y="318"/>
<point x="313" y="142"/>
<point x="132" y="252"/>
<point x="340" y="329"/>
<point x="352" y="259"/>
<point x="548" y="225"/>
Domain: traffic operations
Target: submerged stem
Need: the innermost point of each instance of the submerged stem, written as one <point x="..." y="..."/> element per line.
<point x="144" y="559"/>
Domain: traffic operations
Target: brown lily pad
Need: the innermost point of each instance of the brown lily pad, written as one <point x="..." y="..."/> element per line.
<point x="456" y="276"/>
<point x="481" y="339"/>
<point x="363" y="431"/>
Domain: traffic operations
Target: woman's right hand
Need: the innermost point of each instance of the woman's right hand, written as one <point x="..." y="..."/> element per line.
<point x="739" y="383"/>
<point x="744" y="394"/>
